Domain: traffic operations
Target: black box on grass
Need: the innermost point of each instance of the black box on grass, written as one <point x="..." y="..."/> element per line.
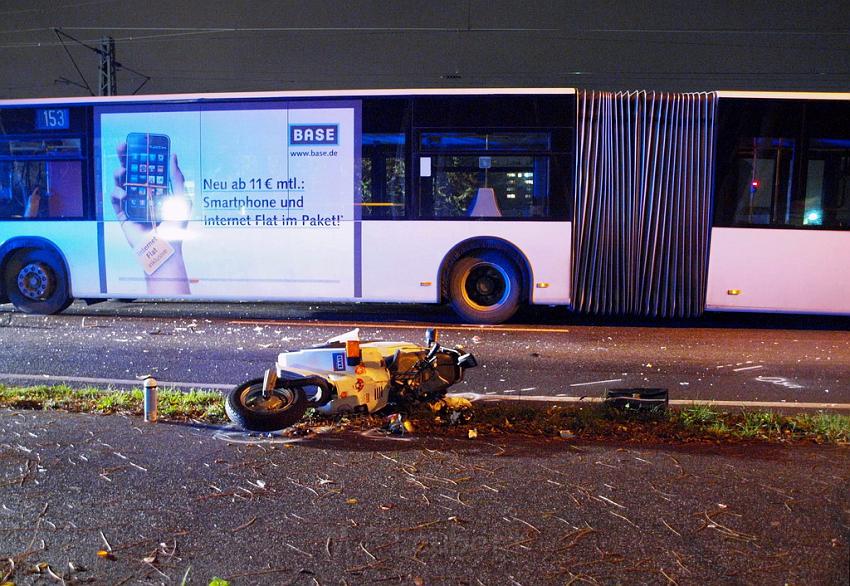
<point x="644" y="400"/>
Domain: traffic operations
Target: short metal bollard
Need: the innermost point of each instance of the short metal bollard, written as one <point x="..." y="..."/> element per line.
<point x="150" y="399"/>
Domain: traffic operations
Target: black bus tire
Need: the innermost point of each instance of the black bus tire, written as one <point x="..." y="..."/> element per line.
<point x="245" y="407"/>
<point x="36" y="281"/>
<point x="484" y="287"/>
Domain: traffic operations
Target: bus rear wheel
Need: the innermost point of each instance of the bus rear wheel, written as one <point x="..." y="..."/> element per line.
<point x="485" y="287"/>
<point x="36" y="282"/>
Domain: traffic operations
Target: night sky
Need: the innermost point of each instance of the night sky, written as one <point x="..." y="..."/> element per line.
<point x="231" y="45"/>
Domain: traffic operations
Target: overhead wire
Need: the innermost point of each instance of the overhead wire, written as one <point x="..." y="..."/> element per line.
<point x="221" y="34"/>
<point x="193" y="34"/>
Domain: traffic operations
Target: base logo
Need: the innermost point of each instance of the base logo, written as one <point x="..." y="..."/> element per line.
<point x="313" y="134"/>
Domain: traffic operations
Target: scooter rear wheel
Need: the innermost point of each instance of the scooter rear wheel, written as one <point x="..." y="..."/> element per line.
<point x="246" y="406"/>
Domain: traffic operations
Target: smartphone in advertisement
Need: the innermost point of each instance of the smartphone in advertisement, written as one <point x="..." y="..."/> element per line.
<point x="146" y="183"/>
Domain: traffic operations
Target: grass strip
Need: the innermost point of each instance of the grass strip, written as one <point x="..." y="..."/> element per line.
<point x="200" y="405"/>
<point x="594" y="421"/>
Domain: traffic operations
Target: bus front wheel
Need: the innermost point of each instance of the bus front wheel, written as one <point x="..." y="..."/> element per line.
<point x="485" y="287"/>
<point x="36" y="282"/>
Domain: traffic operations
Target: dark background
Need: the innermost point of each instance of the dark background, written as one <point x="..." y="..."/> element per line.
<point x="241" y="45"/>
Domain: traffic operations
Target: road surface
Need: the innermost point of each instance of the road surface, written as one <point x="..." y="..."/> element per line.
<point x="168" y="499"/>
<point x="543" y="353"/>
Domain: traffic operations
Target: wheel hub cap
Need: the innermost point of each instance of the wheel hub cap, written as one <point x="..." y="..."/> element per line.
<point x="486" y="285"/>
<point x="279" y="399"/>
<point x="34" y="281"/>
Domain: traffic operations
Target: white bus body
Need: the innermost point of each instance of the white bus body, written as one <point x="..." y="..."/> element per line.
<point x="469" y="196"/>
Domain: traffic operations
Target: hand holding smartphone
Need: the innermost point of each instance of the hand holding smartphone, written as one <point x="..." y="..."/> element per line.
<point x="147" y="176"/>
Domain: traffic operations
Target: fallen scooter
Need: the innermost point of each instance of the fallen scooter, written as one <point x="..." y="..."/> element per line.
<point x="346" y="375"/>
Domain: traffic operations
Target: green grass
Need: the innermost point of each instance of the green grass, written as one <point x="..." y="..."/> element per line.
<point x="760" y="424"/>
<point x="699" y="416"/>
<point x="173" y="404"/>
<point x="829" y="427"/>
<point x="695" y="422"/>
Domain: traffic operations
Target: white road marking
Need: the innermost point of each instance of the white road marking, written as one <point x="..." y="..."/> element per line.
<point x="597" y="382"/>
<point x="779" y="381"/>
<point x="686" y="402"/>
<point x="391" y="326"/>
<point x="747" y="368"/>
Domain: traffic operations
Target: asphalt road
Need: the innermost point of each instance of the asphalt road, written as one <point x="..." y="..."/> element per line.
<point x="543" y="352"/>
<point x="171" y="501"/>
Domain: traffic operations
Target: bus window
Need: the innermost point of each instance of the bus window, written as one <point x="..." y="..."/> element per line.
<point x="765" y="193"/>
<point x="383" y="176"/>
<point x="41" y="178"/>
<point x="513" y="169"/>
<point x="764" y="181"/>
<point x="520" y="185"/>
<point x="827" y="201"/>
<point x="383" y="158"/>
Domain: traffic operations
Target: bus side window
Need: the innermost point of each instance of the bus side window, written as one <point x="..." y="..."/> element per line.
<point x="40" y="178"/>
<point x="765" y="168"/>
<point x="519" y="183"/>
<point x="24" y="189"/>
<point x="765" y="191"/>
<point x="383" y="176"/>
<point x="511" y="167"/>
<point x="827" y="200"/>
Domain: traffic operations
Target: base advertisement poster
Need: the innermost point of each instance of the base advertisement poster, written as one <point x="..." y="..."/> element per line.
<point x="247" y="201"/>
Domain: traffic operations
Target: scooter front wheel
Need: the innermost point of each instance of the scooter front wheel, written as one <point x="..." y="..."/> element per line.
<point x="246" y="406"/>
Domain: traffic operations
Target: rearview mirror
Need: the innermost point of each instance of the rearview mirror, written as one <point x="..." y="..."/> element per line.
<point x="430" y="336"/>
<point x="467" y="361"/>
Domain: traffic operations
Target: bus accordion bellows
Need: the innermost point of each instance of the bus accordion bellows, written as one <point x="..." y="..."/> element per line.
<point x="637" y="203"/>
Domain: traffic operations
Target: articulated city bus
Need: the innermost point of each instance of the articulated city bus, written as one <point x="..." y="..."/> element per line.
<point x="652" y="204"/>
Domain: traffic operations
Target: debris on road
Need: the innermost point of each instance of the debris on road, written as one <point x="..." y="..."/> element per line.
<point x="394" y="424"/>
<point x="452" y="410"/>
